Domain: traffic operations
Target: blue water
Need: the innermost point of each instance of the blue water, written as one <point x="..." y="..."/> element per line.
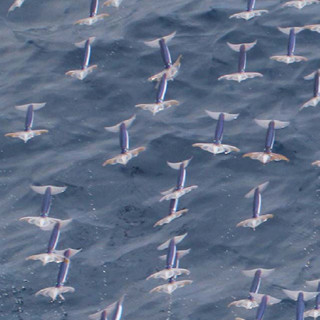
<point x="114" y="208"/>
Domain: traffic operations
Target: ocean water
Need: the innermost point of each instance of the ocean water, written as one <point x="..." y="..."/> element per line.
<point x="114" y="208"/>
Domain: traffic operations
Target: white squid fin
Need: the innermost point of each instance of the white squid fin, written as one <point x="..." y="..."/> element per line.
<point x="155" y="43"/>
<point x="168" y="191"/>
<point x="216" y="148"/>
<point x="171" y="72"/>
<point x="170" y="217"/>
<point x="247" y="15"/>
<point x="264" y="272"/>
<point x="227" y="116"/>
<point x="171" y="287"/>
<point x="271" y="300"/>
<point x="177" y="239"/>
<point x="316" y="163"/>
<point x="288" y="29"/>
<point x="313" y="27"/>
<point x="16" y="4"/>
<point x="314" y="313"/>
<point x="277" y="123"/>
<point x="53" y="292"/>
<point x="313" y="102"/>
<point x="240" y="76"/>
<point x="288" y="59"/>
<point x="236" y="47"/>
<point x="47" y="258"/>
<point x="313" y="283"/>
<point x="35" y="106"/>
<point x="176" y="165"/>
<point x="81" y="44"/>
<point x="54" y="189"/>
<point x="311" y="75"/>
<point x="45" y="223"/>
<point x="264" y="157"/>
<point x="91" y="20"/>
<point x="168" y="273"/>
<point x="178" y="193"/>
<point x="26" y="135"/>
<point x="124" y="158"/>
<point x="116" y="127"/>
<point x="181" y="254"/>
<point x="154" y="108"/>
<point x="261" y="188"/>
<point x="254" y="222"/>
<point x="244" y="303"/>
<point x="294" y="294"/>
<point x="81" y="73"/>
<point x="299" y="4"/>
<point x="72" y="252"/>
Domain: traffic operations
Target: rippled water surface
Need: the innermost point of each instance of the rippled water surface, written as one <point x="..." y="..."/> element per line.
<point x="114" y="208"/>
